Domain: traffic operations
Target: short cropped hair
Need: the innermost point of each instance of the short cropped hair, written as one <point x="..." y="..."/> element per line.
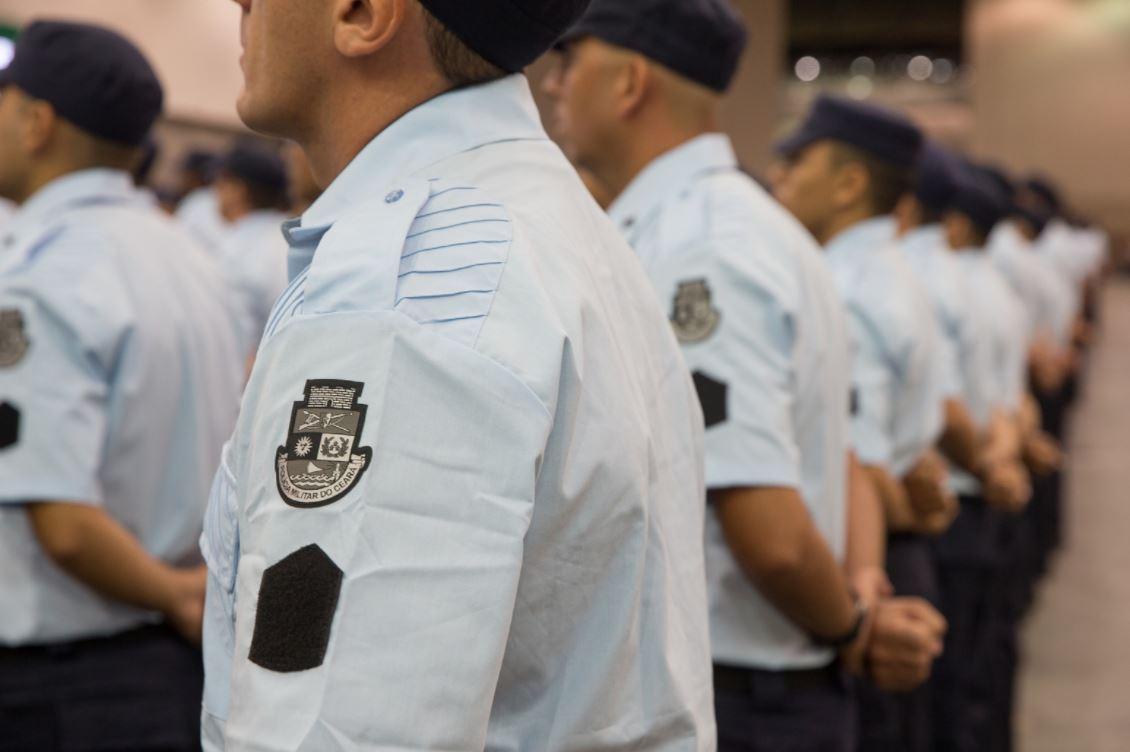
<point x="888" y="183"/>
<point x="458" y="63"/>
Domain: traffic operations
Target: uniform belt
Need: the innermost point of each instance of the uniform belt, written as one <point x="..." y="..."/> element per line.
<point x="21" y="653"/>
<point x="745" y="680"/>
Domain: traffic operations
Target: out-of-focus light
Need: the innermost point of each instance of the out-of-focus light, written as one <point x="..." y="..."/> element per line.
<point x="7" y="51"/>
<point x="943" y="71"/>
<point x="920" y="68"/>
<point x="808" y="69"/>
<point x="863" y="66"/>
<point x="860" y="87"/>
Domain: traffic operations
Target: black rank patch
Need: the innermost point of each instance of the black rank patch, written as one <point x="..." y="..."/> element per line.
<point x="321" y="461"/>
<point x="713" y="396"/>
<point x="13" y="337"/>
<point x="297" y="601"/>
<point x="693" y="315"/>
<point x="9" y="425"/>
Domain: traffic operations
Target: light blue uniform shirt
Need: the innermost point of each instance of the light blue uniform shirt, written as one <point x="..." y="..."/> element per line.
<point x="199" y="213"/>
<point x="253" y="259"/>
<point x="116" y="351"/>
<point x="935" y="268"/>
<point x="1050" y="301"/>
<point x="518" y="520"/>
<point x="758" y="315"/>
<point x="994" y="365"/>
<point x="896" y="373"/>
<point x="1074" y="253"/>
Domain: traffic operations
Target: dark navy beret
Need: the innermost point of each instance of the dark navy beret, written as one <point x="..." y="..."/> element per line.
<point x="938" y="172"/>
<point x="1046" y="191"/>
<point x="981" y="197"/>
<point x="1038" y="217"/>
<point x="883" y="134"/>
<point x="93" y="77"/>
<point x="256" y="165"/>
<point x="509" y="33"/>
<point x="200" y="161"/>
<point x="702" y="40"/>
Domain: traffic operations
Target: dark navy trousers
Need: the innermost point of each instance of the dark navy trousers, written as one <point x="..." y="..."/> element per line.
<point x="135" y="692"/>
<point x="786" y="712"/>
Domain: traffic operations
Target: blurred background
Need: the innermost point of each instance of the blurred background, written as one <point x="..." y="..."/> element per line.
<point x="1032" y="85"/>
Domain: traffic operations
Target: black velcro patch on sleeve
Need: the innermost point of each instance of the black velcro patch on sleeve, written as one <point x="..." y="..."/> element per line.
<point x="9" y="425"/>
<point x="713" y="396"/>
<point x="297" y="602"/>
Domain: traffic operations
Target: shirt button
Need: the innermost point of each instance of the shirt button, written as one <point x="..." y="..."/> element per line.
<point x="395" y="196"/>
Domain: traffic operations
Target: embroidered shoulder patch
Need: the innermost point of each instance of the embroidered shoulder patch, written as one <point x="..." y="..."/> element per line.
<point x="13" y="337"/>
<point x="321" y="461"/>
<point x="693" y="315"/>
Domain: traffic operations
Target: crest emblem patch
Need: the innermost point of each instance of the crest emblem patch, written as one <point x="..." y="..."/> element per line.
<point x="13" y="338"/>
<point x="693" y="315"/>
<point x="321" y="461"/>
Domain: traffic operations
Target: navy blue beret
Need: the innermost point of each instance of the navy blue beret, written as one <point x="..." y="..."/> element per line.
<point x="256" y="165"/>
<point x="200" y="161"/>
<point x="1045" y="191"/>
<point x="1036" y="216"/>
<point x="938" y="172"/>
<point x="509" y="33"/>
<point x="93" y="77"/>
<point x="883" y="134"/>
<point x="702" y="40"/>
<point x="981" y="198"/>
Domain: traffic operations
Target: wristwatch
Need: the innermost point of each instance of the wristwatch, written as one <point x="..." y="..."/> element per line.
<point x="850" y="636"/>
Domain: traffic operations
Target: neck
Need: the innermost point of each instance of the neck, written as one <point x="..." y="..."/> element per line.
<point x="345" y="127"/>
<point x="643" y="146"/>
<point x="41" y="176"/>
<point x="843" y="221"/>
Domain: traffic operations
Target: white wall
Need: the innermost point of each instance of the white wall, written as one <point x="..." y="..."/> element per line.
<point x="194" y="44"/>
<point x="1052" y="92"/>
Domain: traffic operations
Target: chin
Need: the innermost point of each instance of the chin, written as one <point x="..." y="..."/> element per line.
<point x="261" y="117"/>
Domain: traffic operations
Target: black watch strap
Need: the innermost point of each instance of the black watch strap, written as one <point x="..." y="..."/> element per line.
<point x="850" y="636"/>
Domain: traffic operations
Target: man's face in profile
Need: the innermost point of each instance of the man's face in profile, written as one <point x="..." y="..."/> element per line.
<point x="285" y="44"/>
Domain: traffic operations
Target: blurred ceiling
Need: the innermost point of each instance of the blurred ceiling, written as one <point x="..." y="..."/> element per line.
<point x="855" y="27"/>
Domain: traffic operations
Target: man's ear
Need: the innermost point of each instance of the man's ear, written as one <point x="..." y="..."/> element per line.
<point x="41" y="123"/>
<point x="634" y="86"/>
<point x="363" y="27"/>
<point x="908" y="213"/>
<point x="851" y="181"/>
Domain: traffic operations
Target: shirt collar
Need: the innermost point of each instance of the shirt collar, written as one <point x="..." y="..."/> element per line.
<point x="713" y="152"/>
<point x="870" y="234"/>
<point x="923" y="239"/>
<point x="71" y="191"/>
<point x="84" y="187"/>
<point x="452" y="123"/>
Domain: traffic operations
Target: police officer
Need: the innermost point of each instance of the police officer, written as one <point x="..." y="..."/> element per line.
<point x="462" y="505"/>
<point x="199" y="208"/>
<point x="1050" y="314"/>
<point x="846" y="168"/>
<point x="253" y="196"/>
<point x="119" y="381"/>
<point x="969" y="556"/>
<point x="765" y="334"/>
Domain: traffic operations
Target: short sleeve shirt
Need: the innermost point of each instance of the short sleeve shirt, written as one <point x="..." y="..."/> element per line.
<point x="119" y="381"/>
<point x="470" y="434"/>
<point x="764" y="333"/>
<point x="898" y="391"/>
